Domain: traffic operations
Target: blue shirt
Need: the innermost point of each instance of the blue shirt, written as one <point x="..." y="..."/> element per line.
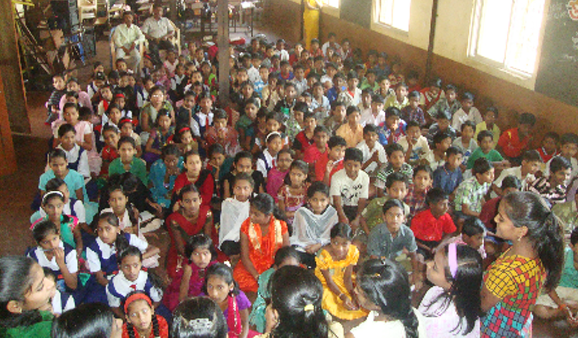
<point x="332" y="94"/>
<point x="382" y="244"/>
<point x="447" y="180"/>
<point x="73" y="180"/>
<point x="569" y="277"/>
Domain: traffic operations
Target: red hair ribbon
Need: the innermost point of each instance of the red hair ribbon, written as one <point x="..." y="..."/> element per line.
<point x="135" y="297"/>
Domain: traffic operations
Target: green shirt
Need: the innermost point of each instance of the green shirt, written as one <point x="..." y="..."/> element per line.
<point x="492" y="156"/>
<point x="138" y="167"/>
<point x="39" y="330"/>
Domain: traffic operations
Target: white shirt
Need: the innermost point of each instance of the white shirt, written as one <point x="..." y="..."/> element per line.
<point x="253" y="74"/>
<point x="124" y="36"/>
<point x="367" y="153"/>
<point x="109" y="250"/>
<point x="203" y="119"/>
<point x="367" y="117"/>
<point x="517" y="172"/>
<point x="370" y="327"/>
<point x="72" y="156"/>
<point x="461" y="116"/>
<point x="123" y="286"/>
<point x="78" y="208"/>
<point x="57" y="307"/>
<point x="283" y="54"/>
<point x="320" y="116"/>
<point x="350" y="190"/>
<point x="419" y="150"/>
<point x="157" y="28"/>
<point x="70" y="259"/>
<point x="350" y="99"/>
<point x="300" y="86"/>
<point x="233" y="214"/>
<point x="262" y="166"/>
<point x="310" y="229"/>
<point x="326" y="45"/>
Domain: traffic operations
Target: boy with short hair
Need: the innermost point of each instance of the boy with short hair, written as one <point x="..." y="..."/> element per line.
<point x="338" y="84"/>
<point x="317" y="149"/>
<point x="448" y="103"/>
<point x="370" y="81"/>
<point x="294" y="125"/>
<point x="222" y="133"/>
<point x="375" y="115"/>
<point x="525" y="172"/>
<point x="431" y="226"/>
<point x="351" y="131"/>
<point x="568" y="149"/>
<point x="467" y="113"/>
<point x="473" y="233"/>
<point x="285" y="105"/>
<point x="351" y="96"/>
<point x="262" y="81"/>
<point x="449" y="176"/>
<point x="486" y="143"/>
<point x="330" y="161"/>
<point x="54" y="100"/>
<point x="374" y="156"/>
<point x="466" y="142"/>
<point x="414" y="144"/>
<point x="412" y="111"/>
<point x="514" y="141"/>
<point x="365" y="104"/>
<point x="549" y="146"/>
<point x="337" y="117"/>
<point x="127" y="160"/>
<point x="443" y="120"/>
<point x="470" y="193"/>
<point x="417" y="190"/>
<point x="320" y="103"/>
<point x="299" y="80"/>
<point x="437" y="155"/>
<point x="489" y="123"/>
<point x="399" y="100"/>
<point x="396" y="163"/>
<point x="305" y="138"/>
<point x="394" y="128"/>
<point x="350" y="187"/>
<point x="553" y="188"/>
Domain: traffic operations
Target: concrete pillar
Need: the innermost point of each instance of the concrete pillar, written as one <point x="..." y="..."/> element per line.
<point x="7" y="156"/>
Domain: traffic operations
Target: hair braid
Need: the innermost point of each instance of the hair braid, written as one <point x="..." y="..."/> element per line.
<point x="156" y="330"/>
<point x="130" y="330"/>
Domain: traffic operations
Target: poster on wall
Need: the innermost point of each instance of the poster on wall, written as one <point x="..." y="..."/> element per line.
<point x="558" y="71"/>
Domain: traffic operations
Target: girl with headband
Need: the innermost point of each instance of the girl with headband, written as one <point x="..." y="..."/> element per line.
<point x="452" y="305"/>
<point x="141" y="320"/>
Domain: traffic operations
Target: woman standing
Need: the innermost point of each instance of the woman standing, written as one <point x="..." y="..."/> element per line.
<point x="311" y="21"/>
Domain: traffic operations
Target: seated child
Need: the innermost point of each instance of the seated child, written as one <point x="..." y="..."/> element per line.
<point x="291" y="195"/>
<point x="127" y="162"/>
<point x="560" y="303"/>
<point x="54" y="100"/>
<point x="375" y="114"/>
<point x="392" y="239"/>
<point x="318" y="148"/>
<point x="62" y="301"/>
<point x="59" y="169"/>
<point x="473" y="234"/>
<point x="189" y="281"/>
<point x="414" y="144"/>
<point x="449" y="176"/>
<point x="487" y="151"/>
<point x="513" y="142"/>
<point x="163" y="174"/>
<point x="191" y="218"/>
<point x="554" y="188"/>
<point x="195" y="174"/>
<point x="467" y="113"/>
<point x="267" y="159"/>
<point x="432" y="94"/>
<point x="417" y="190"/>
<point x="126" y="128"/>
<point x="312" y="223"/>
<point x="202" y="117"/>
<point x="531" y="162"/>
<point x="234" y="211"/>
<point x="396" y="163"/>
<point x="286" y="256"/>
<point x="276" y="176"/>
<point x="131" y="277"/>
<point x="374" y="156"/>
<point x="296" y="121"/>
<point x="549" y="146"/>
<point x="394" y="128"/>
<point x="352" y="131"/>
<point x="400" y="99"/>
<point x="184" y="113"/>
<point x="442" y="124"/>
<point x="466" y="142"/>
<point x="351" y="96"/>
<point x="490" y="117"/>
<point x="245" y="125"/>
<point x="432" y="225"/>
<point x="222" y="133"/>
<point x="436" y="157"/>
<point x="242" y="163"/>
<point x="568" y="149"/>
<point x="109" y="152"/>
<point x="413" y="112"/>
<point x="331" y="161"/>
<point x="337" y="117"/>
<point x="159" y="137"/>
<point x="262" y="234"/>
<point x="141" y="319"/>
<point x="350" y="188"/>
<point x="306" y="137"/>
<point x="448" y="103"/>
<point x="334" y="269"/>
<point x="184" y="140"/>
<point x="76" y="156"/>
<point x="469" y="196"/>
<point x="567" y="212"/>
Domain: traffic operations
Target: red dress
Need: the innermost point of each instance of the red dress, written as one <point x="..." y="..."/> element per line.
<point x="178" y="222"/>
<point x="163" y="330"/>
<point x="205" y="183"/>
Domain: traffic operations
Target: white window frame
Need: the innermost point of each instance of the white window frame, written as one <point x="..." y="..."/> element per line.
<point x="507" y="65"/>
<point x="333" y="3"/>
<point x="390" y="24"/>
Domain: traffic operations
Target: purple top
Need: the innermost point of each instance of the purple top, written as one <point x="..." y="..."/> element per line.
<point x="275" y="180"/>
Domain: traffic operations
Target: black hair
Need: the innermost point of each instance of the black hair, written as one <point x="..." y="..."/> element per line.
<point x="220" y="114"/>
<point x="335" y="141"/>
<point x="336" y="104"/>
<point x="434" y="195"/>
<point x="559" y="163"/>
<point x="527" y="118"/>
<point x="412" y="123"/>
<point x="154" y="322"/>
<point x="284" y="253"/>
<point x="351" y="109"/>
<point x="468" y="123"/>
<point x="272" y="136"/>
<point x="50" y="195"/>
<point x="423" y="167"/>
<point x="526" y="209"/>
<point x="481" y="166"/>
<point x="121" y="243"/>
<point x="191" y="313"/>
<point x="244" y="177"/>
<point x="377" y="98"/>
<point x="317" y="186"/>
<point x="170" y="149"/>
<point x="111" y="107"/>
<point x="110" y="127"/>
<point x="301" y="106"/>
<point x="300" y="165"/>
<point x="483" y="134"/>
<point x="396" y="177"/>
<point x="54" y="184"/>
<point x="436" y="82"/>
<point x="202" y="241"/>
<point x="353" y="154"/>
<point x="370" y="128"/>
<point x="93" y="320"/>
<point x="574" y="236"/>
<point x="71" y="93"/>
<point x="468" y="96"/>
<point x="454" y="151"/>
<point x="473" y="226"/>
<point x="113" y="186"/>
<point x="511" y="181"/>
<point x="413" y="94"/>
<point x="216" y="148"/>
<point x="242" y="154"/>
<point x="493" y="110"/>
<point x="552" y="135"/>
<point x="190" y="153"/>
<point x="224" y="272"/>
<point x="569" y="138"/>
<point x="392" y="111"/>
<point x="386" y="284"/>
<point x="126" y="139"/>
<point x="56" y="153"/>
<point x="293" y="291"/>
<point x="188" y="188"/>
<point x="263" y="203"/>
<point x="321" y="129"/>
<point x="439" y="137"/>
<point x="392" y="203"/>
<point x="341" y="230"/>
<point x="393" y="147"/>
<point x="43" y="229"/>
<point x="531" y="156"/>
<point x="129" y="251"/>
<point x="450" y="87"/>
<point x="443" y="114"/>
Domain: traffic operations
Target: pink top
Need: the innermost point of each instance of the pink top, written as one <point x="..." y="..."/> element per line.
<point x="275" y="179"/>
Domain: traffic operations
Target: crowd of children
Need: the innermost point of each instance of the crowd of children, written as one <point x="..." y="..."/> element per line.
<point x="321" y="160"/>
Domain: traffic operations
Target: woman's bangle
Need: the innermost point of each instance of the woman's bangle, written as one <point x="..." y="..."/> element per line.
<point x="562" y="306"/>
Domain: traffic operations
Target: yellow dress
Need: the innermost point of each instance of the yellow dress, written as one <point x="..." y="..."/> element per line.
<point x="331" y="301"/>
<point x="310" y="23"/>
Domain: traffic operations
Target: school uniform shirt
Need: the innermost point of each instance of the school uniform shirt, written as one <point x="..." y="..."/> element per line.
<point x="392" y="328"/>
<point x="419" y="150"/>
<point x="367" y="117"/>
<point x="199" y="123"/>
<point x="368" y="153"/>
<point x="350" y="190"/>
<point x="383" y="244"/>
<point x="62" y="302"/>
<point x="446" y="179"/>
<point x="70" y="258"/>
<point x="77" y="159"/>
<point x="74" y="207"/>
<point x="350" y="98"/>
<point x="265" y="161"/>
<point x="233" y="214"/>
<point x="102" y="257"/>
<point x="119" y="287"/>
<point x="253" y="75"/>
<point x="460" y="117"/>
<point x="471" y="192"/>
<point x="430" y="229"/>
<point x="73" y="180"/>
<point x="493" y="156"/>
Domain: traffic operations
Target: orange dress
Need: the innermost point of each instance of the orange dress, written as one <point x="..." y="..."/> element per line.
<point x="262" y="251"/>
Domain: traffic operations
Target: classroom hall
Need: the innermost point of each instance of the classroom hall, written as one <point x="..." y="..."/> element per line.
<point x="520" y="56"/>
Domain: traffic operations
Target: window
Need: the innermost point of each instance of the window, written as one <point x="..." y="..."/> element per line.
<point x="332" y="3"/>
<point x="394" y="13"/>
<point x="506" y="33"/>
